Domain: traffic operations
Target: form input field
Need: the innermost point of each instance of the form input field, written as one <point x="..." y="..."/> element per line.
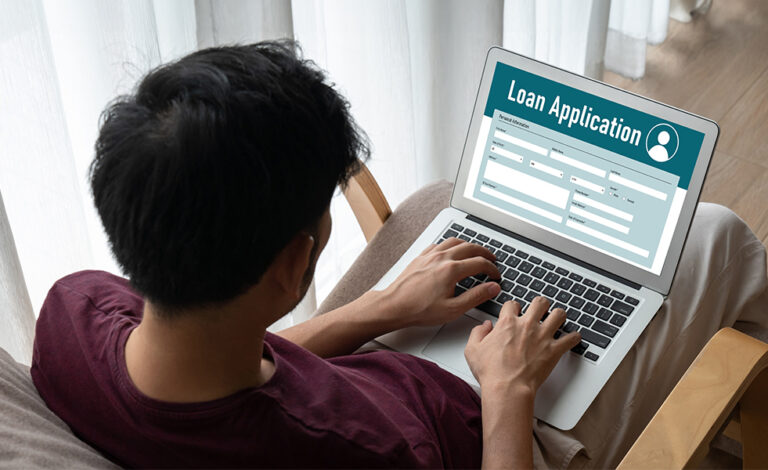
<point x="607" y="238"/>
<point x="527" y="184"/>
<point x="507" y="154"/>
<point x="521" y="204"/>
<point x="521" y="143"/>
<point x="577" y="164"/>
<point x="600" y="220"/>
<point x="587" y="184"/>
<point x="547" y="169"/>
<point x="637" y="186"/>
<point x="604" y="207"/>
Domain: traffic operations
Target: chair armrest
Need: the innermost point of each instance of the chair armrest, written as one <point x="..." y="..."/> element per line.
<point x="732" y="365"/>
<point x="368" y="203"/>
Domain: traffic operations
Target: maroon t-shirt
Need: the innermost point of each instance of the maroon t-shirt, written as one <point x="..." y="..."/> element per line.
<point x="378" y="409"/>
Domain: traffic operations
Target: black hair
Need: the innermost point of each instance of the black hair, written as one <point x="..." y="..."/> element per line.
<point x="215" y="162"/>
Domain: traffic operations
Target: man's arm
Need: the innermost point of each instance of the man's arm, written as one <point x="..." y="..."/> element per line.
<point x="421" y="296"/>
<point x="510" y="361"/>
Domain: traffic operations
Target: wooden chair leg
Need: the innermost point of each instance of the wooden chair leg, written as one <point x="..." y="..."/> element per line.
<point x="754" y="423"/>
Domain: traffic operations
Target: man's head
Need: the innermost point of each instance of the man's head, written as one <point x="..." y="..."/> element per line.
<point x="216" y="165"/>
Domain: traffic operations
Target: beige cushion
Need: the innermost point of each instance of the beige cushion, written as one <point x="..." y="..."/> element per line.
<point x="31" y="436"/>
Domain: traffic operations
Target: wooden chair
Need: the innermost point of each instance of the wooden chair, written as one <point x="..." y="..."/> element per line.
<point x="729" y="378"/>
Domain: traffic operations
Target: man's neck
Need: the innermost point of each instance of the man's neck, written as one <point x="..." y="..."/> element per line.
<point x="198" y="356"/>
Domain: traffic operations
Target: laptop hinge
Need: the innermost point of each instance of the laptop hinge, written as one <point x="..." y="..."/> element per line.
<point x="554" y="252"/>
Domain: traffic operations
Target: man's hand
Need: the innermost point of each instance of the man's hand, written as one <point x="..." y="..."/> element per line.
<point x="511" y="360"/>
<point x="519" y="352"/>
<point x="423" y="293"/>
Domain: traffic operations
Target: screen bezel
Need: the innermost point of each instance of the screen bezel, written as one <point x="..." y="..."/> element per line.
<point x="660" y="283"/>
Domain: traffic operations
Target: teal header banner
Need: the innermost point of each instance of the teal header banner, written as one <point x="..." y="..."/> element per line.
<point x="626" y="131"/>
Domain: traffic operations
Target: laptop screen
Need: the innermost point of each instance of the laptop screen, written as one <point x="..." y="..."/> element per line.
<point x="607" y="176"/>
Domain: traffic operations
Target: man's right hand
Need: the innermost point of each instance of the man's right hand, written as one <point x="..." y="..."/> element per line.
<point x="518" y="353"/>
<point x="511" y="360"/>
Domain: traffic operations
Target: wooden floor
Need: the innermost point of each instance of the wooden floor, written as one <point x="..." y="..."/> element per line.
<point x="717" y="67"/>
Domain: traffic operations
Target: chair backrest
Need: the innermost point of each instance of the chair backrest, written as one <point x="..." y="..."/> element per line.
<point x="17" y="320"/>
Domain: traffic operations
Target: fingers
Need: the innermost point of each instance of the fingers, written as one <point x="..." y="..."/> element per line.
<point x="566" y="342"/>
<point x="445" y="245"/>
<point x="511" y="308"/>
<point x="479" y="332"/>
<point x="555" y="319"/>
<point x="537" y="309"/>
<point x="471" y="266"/>
<point x="475" y="296"/>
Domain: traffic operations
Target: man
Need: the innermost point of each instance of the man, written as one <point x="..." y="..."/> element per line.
<point x="213" y="182"/>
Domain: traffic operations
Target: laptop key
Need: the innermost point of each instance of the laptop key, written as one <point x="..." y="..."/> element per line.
<point x="524" y="279"/>
<point x="580" y="348"/>
<point x="451" y="233"/>
<point x="458" y="290"/>
<point x="578" y="289"/>
<point x="534" y="260"/>
<point x="576" y="302"/>
<point x="483" y="238"/>
<point x="595" y="338"/>
<point x="552" y="278"/>
<point x="561" y="271"/>
<point x="590" y="308"/>
<point x="572" y="314"/>
<point x="548" y="265"/>
<point x="521" y="254"/>
<point x="604" y="289"/>
<point x="530" y="296"/>
<point x="506" y="285"/>
<point x="457" y="227"/>
<point x="563" y="296"/>
<point x="622" y="308"/>
<point x="519" y="291"/>
<point x="586" y="320"/>
<point x="617" y="294"/>
<point x="512" y="262"/>
<point x="575" y="277"/>
<point x="591" y="356"/>
<point x="539" y="272"/>
<point x="503" y="298"/>
<point x="525" y="267"/>
<point x="537" y="285"/>
<point x="605" y="301"/>
<point x="465" y="238"/>
<point x="466" y="282"/>
<point x="550" y="291"/>
<point x="589" y="282"/>
<point x="496" y="243"/>
<point x="570" y="327"/>
<point x="501" y="256"/>
<point x="508" y="249"/>
<point x="490" y="307"/>
<point x="592" y="295"/>
<point x="631" y="300"/>
<point x="604" y="314"/>
<point x="510" y="274"/>
<point x="618" y="320"/>
<point x="564" y="283"/>
<point x="605" y="328"/>
<point x="469" y="232"/>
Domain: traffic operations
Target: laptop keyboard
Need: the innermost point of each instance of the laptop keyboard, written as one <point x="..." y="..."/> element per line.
<point x="597" y="311"/>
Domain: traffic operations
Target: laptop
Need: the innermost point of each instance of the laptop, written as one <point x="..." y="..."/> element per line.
<point x="585" y="194"/>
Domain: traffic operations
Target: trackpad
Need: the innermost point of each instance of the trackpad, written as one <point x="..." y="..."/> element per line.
<point x="447" y="347"/>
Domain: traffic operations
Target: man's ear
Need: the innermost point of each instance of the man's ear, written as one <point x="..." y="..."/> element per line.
<point x="292" y="262"/>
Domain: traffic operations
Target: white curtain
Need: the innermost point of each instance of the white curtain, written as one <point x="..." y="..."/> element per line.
<point x="409" y="68"/>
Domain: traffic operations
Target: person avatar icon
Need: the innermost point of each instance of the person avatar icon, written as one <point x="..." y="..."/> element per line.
<point x="658" y="152"/>
<point x="665" y="142"/>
